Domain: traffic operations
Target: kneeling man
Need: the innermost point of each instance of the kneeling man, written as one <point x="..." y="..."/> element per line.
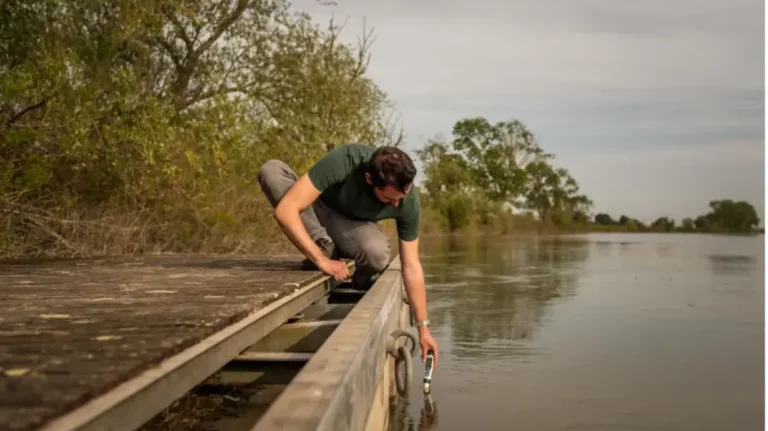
<point x="331" y="213"/>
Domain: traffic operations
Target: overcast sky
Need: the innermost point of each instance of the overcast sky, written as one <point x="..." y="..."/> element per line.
<point x="655" y="107"/>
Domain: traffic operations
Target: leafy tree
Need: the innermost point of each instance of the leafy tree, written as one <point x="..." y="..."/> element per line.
<point x="496" y="155"/>
<point x="553" y="193"/>
<point x="604" y="219"/>
<point x="633" y="225"/>
<point x="448" y="184"/>
<point x="663" y="224"/>
<point x="730" y="216"/>
<point x="490" y="168"/>
<point x="159" y="113"/>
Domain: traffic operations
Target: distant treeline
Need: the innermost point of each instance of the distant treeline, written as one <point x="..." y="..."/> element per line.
<point x="725" y="216"/>
<point x="487" y="174"/>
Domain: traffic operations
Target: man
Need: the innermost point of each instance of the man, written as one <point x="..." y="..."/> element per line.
<point x="331" y="213"/>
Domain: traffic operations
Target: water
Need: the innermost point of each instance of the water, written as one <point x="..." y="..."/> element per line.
<point x="593" y="332"/>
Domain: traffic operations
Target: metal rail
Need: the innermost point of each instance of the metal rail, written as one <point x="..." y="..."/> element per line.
<point x="129" y="405"/>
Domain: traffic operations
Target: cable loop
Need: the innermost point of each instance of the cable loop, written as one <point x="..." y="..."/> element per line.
<point x="403" y="387"/>
<point x="397" y="333"/>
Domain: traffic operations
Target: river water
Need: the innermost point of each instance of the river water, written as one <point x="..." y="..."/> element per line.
<point x="593" y="332"/>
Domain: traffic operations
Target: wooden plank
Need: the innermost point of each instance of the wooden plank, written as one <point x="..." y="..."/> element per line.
<point x="131" y="403"/>
<point x="294" y="338"/>
<point x="395" y="265"/>
<point x="336" y="388"/>
<point x="273" y="357"/>
<point x="378" y="418"/>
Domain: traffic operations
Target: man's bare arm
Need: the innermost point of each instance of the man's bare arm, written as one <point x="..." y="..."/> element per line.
<point x="287" y="213"/>
<point x="413" y="276"/>
<point x="415" y="289"/>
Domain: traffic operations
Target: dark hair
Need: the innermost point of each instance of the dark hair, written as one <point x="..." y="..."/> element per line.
<point x="390" y="166"/>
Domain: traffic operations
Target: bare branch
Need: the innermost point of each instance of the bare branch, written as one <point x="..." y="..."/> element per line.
<point x="180" y="31"/>
<point x="364" y="44"/>
<point x="25" y="111"/>
<point x="50" y="231"/>
<point x="219" y="91"/>
<point x="171" y="52"/>
<point x="221" y="28"/>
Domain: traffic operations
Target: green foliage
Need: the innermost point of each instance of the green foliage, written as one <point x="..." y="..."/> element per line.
<point x="448" y="184"/>
<point x="632" y="225"/>
<point x="605" y="219"/>
<point x="496" y="155"/>
<point x="491" y="168"/>
<point x="161" y="112"/>
<point x="486" y="170"/>
<point x="663" y="224"/>
<point x="554" y="194"/>
<point x="728" y="215"/>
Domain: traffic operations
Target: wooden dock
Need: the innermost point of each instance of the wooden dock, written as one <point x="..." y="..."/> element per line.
<point x="109" y="343"/>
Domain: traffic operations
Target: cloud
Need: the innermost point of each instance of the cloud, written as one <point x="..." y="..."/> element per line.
<point x="675" y="181"/>
<point x="654" y="106"/>
<point x="491" y="46"/>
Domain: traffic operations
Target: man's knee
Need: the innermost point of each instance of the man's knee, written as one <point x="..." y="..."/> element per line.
<point x="275" y="178"/>
<point x="271" y="170"/>
<point x="376" y="254"/>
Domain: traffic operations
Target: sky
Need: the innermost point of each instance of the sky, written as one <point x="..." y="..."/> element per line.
<point x="656" y="107"/>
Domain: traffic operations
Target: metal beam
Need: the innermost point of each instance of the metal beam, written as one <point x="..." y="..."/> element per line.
<point x="132" y="403"/>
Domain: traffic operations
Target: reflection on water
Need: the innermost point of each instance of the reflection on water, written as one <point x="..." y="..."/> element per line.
<point x="400" y="418"/>
<point x="601" y="331"/>
<point x="494" y="297"/>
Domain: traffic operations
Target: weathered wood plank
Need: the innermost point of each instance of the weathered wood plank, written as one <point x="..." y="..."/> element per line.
<point x="378" y="418"/>
<point x="295" y="338"/>
<point x="336" y="388"/>
<point x="73" y="329"/>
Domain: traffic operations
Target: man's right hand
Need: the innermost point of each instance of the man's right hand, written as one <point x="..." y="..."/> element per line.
<point x="335" y="268"/>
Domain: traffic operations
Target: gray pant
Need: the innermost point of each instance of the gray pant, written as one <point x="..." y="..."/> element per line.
<point x="363" y="241"/>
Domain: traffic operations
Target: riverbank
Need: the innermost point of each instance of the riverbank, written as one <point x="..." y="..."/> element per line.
<point x="237" y="227"/>
<point x="505" y="224"/>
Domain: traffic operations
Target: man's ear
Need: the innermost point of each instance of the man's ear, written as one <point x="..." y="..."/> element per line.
<point x="368" y="178"/>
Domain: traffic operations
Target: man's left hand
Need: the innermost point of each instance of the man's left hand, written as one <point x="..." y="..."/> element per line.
<point x="427" y="343"/>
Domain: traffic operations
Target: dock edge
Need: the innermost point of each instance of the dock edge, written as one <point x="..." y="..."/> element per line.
<point x="345" y="386"/>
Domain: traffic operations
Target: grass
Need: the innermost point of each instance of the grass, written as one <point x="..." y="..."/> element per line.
<point x="231" y="222"/>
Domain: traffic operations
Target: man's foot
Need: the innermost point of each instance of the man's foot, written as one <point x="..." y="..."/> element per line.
<point x="364" y="283"/>
<point x="327" y="247"/>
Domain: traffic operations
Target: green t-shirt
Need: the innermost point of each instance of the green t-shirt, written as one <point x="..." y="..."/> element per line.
<point x="340" y="177"/>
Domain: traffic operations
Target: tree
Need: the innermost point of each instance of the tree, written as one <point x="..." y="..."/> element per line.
<point x="663" y="224"/>
<point x="448" y="185"/>
<point x="159" y="106"/>
<point x="730" y="216"/>
<point x="633" y="225"/>
<point x="490" y="168"/>
<point x="497" y="155"/>
<point x="604" y="219"/>
<point x="554" y="194"/>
